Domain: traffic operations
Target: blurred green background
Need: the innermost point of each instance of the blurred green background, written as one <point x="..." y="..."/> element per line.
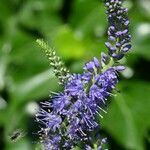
<point x="77" y="29"/>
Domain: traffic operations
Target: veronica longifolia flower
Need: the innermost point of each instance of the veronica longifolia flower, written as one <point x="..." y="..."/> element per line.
<point x="70" y="118"/>
<point x="73" y="112"/>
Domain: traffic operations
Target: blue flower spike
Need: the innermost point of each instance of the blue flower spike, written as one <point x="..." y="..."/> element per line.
<point x="72" y="120"/>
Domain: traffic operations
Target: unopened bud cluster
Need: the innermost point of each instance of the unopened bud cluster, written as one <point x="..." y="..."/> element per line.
<point x="119" y="37"/>
<point x="59" y="68"/>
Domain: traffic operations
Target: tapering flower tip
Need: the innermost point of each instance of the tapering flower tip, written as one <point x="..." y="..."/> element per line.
<point x="118" y="29"/>
<point x="60" y="70"/>
<point x="119" y="68"/>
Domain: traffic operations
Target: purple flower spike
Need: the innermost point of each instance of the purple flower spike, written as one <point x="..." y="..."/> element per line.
<point x="70" y="118"/>
<point x="78" y="106"/>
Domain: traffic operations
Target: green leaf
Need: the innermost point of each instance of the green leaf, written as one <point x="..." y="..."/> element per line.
<point x="36" y="87"/>
<point x="128" y="118"/>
